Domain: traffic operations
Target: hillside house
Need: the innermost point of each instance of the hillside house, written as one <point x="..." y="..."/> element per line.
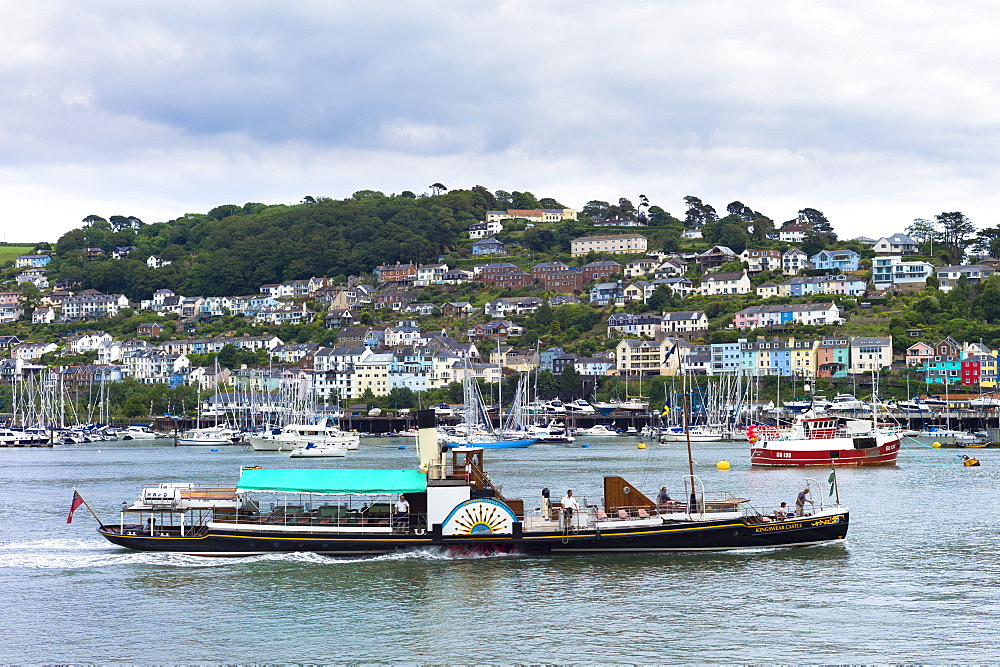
<point x="682" y="287"/>
<point x="640" y="267"/>
<point x="457" y="309"/>
<point x="481" y="230"/>
<point x="725" y="283"/>
<point x="495" y="330"/>
<point x="764" y="259"/>
<point x="919" y="353"/>
<point x="868" y="354"/>
<point x="513" y="279"/>
<point x="714" y="257"/>
<point x="891" y="272"/>
<point x="897" y="244"/>
<point x="794" y="232"/>
<point x="948" y="276"/>
<point x="536" y="216"/>
<point x="794" y="260"/>
<point x="618" y="244"/>
<point x="566" y="282"/>
<point x="31" y="261"/>
<point x="836" y="260"/>
<point x="601" y="270"/>
<point x="548" y="267"/>
<point x="400" y="274"/>
<point x="488" y="247"/>
<point x="607" y="294"/>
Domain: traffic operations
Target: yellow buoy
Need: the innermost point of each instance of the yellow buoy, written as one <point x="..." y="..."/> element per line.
<point x="722" y="465"/>
<point x="642" y="445"/>
<point x="936" y="445"/>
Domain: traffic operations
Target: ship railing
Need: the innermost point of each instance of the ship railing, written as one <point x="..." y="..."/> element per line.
<point x="378" y="516"/>
<point x="540" y="519"/>
<point x="473" y="474"/>
<point x="828" y="433"/>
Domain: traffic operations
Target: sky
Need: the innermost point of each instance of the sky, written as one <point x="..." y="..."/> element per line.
<point x="875" y="113"/>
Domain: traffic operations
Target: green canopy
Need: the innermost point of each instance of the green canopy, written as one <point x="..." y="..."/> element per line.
<point x="333" y="481"/>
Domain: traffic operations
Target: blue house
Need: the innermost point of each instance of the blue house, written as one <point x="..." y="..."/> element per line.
<point x="837" y="260"/>
<point x="32" y="261"/>
<point x="488" y="247"/>
<point x="607" y="294"/>
<point x="943" y="369"/>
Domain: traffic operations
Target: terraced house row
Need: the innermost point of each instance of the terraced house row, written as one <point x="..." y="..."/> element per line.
<point x="827" y="357"/>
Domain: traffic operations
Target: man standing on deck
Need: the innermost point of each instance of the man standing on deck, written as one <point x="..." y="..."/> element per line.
<point x="800" y="502"/>
<point x="403" y="512"/>
<point x="569" y="505"/>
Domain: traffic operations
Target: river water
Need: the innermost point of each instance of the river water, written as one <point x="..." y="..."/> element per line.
<point x="916" y="581"/>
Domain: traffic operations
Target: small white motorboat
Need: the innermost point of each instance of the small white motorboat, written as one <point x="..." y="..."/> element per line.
<point x="580" y="407"/>
<point x="596" y="431"/>
<point x="318" y="450"/>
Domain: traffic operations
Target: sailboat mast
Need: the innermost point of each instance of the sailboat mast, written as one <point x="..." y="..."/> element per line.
<point x="687" y="435"/>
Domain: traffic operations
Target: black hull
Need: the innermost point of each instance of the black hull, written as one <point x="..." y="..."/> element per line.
<point x="673" y="536"/>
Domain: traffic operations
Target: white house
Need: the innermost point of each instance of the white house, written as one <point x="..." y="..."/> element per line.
<point x="897" y="244"/>
<point x="891" y="271"/>
<point x="868" y="354"/>
<point x="482" y="230"/>
<point x="11" y="313"/>
<point x="762" y="259"/>
<point x="679" y="286"/>
<point x="793" y="261"/>
<point x="793" y="233"/>
<point x="725" y="283"/>
<point x="43" y="315"/>
<point x="948" y="276"/>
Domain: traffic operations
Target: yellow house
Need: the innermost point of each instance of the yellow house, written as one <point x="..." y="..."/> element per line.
<point x="988" y="370"/>
<point x="372" y="373"/>
<point x="520" y="361"/>
<point x="803" y="357"/>
<point x="767" y="289"/>
<point x="649" y="357"/>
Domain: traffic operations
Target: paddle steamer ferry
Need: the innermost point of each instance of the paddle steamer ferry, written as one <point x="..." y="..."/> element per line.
<point x="452" y="504"/>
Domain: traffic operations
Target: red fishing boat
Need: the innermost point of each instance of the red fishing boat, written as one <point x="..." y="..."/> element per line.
<point x="823" y="441"/>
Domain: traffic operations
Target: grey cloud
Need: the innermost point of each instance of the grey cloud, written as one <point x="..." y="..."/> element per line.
<point x="845" y="106"/>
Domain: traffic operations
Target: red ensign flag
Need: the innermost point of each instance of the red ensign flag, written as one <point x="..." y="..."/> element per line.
<point x="77" y="501"/>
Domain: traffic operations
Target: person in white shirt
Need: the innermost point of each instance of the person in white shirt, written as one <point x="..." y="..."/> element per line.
<point x="403" y="511"/>
<point x="569" y="506"/>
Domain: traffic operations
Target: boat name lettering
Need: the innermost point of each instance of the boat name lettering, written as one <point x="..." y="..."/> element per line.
<point x="778" y="526"/>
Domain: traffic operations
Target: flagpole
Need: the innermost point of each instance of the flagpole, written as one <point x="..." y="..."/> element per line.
<point x="85" y="504"/>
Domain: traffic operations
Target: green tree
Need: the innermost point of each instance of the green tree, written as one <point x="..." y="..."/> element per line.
<point x="987" y="241"/>
<point x="923" y="230"/>
<point x="734" y="236"/>
<point x="229" y="356"/>
<point x="570" y="383"/>
<point x="698" y="212"/>
<point x="818" y="223"/>
<point x="761" y="228"/>
<point x="956" y="233"/>
<point x="596" y="209"/>
<point x="548" y="384"/>
<point x="29" y="298"/>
